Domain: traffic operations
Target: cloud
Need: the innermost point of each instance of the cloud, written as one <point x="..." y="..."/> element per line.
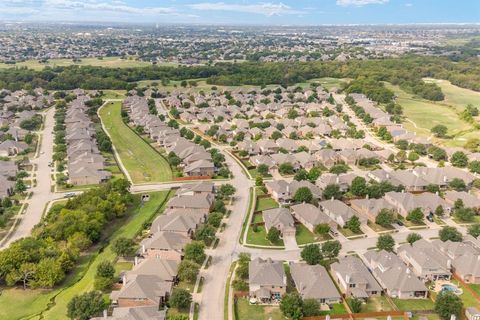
<point x="408" y="4"/>
<point x="359" y="3"/>
<point x="111" y="6"/>
<point x="266" y="8"/>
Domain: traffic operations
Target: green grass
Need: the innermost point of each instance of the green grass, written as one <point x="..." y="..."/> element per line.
<point x="413" y="304"/>
<point x="142" y="162"/>
<point x="260" y="237"/>
<point x="113" y="94"/>
<point x="337" y="308"/>
<point x="304" y="236"/>
<point x="456" y="96"/>
<point x="265" y="203"/>
<point x="257" y="218"/>
<point x="122" y="266"/>
<point x="468" y="299"/>
<point x="422" y="115"/>
<point x="245" y="311"/>
<point x="349" y="233"/>
<point x="17" y="304"/>
<point x="475" y="287"/>
<point x="107" y="62"/>
<point x="375" y="304"/>
<point x="378" y="228"/>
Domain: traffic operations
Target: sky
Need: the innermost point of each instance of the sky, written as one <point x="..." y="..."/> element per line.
<point x="237" y="12"/>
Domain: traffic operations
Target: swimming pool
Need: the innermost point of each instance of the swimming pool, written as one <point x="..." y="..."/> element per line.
<point x="448" y="287"/>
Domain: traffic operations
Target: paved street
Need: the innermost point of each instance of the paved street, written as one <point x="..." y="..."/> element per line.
<point x="42" y="192"/>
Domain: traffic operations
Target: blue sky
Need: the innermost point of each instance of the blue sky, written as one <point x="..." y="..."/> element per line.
<point x="268" y="12"/>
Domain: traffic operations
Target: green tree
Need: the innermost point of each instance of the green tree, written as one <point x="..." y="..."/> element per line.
<point x="262" y="169"/>
<point x="353" y="224"/>
<point x="359" y="186"/>
<point x="322" y="228"/>
<point x="385" y="217"/>
<point x="413" y="156"/>
<point x="412" y="237"/>
<point x="332" y="191"/>
<point x="416" y="216"/>
<point x="188" y="270"/>
<point x="195" y="251"/>
<point x="291" y="306"/>
<point x="439" y="131"/>
<point x="25" y="273"/>
<point x="273" y="235"/>
<point x="303" y="194"/>
<point x="180" y="299"/>
<point x="448" y="304"/>
<point x="48" y="273"/>
<point x="124" y="247"/>
<point x="85" y="306"/>
<point x="459" y="159"/>
<point x="355" y="305"/>
<point x="331" y="249"/>
<point x="450" y="233"/>
<point x="457" y="184"/>
<point x="301" y="175"/>
<point x="311" y="254"/>
<point x="286" y="168"/>
<point x="104" y="277"/>
<point x="474" y="230"/>
<point x="465" y="214"/>
<point x="310" y="308"/>
<point x="385" y="242"/>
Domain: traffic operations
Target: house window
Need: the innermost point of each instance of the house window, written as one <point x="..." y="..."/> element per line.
<point x="374" y="292"/>
<point x="351" y="285"/>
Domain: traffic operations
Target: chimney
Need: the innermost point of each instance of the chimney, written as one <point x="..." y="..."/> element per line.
<point x="124" y="279"/>
<point x="347" y="278"/>
<point x="387" y="175"/>
<point x="143" y="248"/>
<point x="366" y="197"/>
<point x="136" y="261"/>
<point x="331" y="199"/>
<point x="445" y="179"/>
<point x="105" y="314"/>
<point x="408" y="271"/>
<point x="337" y="180"/>
<point x="449" y="263"/>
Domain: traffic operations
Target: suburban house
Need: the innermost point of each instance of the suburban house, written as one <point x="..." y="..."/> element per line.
<point x="135" y="313"/>
<point x="465" y="259"/>
<point x="354" y="279"/>
<point x="311" y="216"/>
<point x="405" y="202"/>
<point x="267" y="280"/>
<point x="425" y="260"/>
<point x="394" y="276"/>
<point x="166" y="245"/>
<point x="283" y="191"/>
<point x="370" y="208"/>
<point x="340" y="212"/>
<point x="281" y="219"/>
<point x="313" y="282"/>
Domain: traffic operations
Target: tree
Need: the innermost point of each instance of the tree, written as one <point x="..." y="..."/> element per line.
<point x="439" y="210"/>
<point x="104" y="276"/>
<point x="286" y="168"/>
<point x="291" y="306"/>
<point x="273" y="235"/>
<point x="448" y="304"/>
<point x="355" y="305"/>
<point x="124" y="247"/>
<point x="195" y="251"/>
<point x="386" y="242"/>
<point x="413" y="156"/>
<point x="332" y="191"/>
<point x="450" y="233"/>
<point x="242" y="266"/>
<point x="457" y="184"/>
<point x="359" y="186"/>
<point x="215" y="219"/>
<point x="322" y="228"/>
<point x="459" y="159"/>
<point x="48" y="273"/>
<point x="311" y="254"/>
<point x="226" y="190"/>
<point x="259" y="181"/>
<point x="25" y="273"/>
<point x="412" y="237"/>
<point x="180" y="299"/>
<point x="385" y="217"/>
<point x="20" y="186"/>
<point x="465" y="214"/>
<point x="331" y="249"/>
<point x="353" y="224"/>
<point x="301" y="175"/>
<point x="311" y="308"/>
<point x="85" y="306"/>
<point x="474" y="166"/>
<point x="303" y="194"/>
<point x="262" y="169"/>
<point x="206" y="234"/>
<point x="439" y="131"/>
<point x="416" y="216"/>
<point x="188" y="270"/>
<point x="474" y="230"/>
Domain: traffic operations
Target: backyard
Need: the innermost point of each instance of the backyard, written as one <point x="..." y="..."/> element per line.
<point x="243" y="310"/>
<point x="143" y="163"/>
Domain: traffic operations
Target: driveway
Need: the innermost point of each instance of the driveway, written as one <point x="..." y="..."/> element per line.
<point x="290" y="243"/>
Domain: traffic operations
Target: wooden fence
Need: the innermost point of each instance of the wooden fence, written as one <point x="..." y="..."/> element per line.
<point x="380" y="314"/>
<point x="189" y="178"/>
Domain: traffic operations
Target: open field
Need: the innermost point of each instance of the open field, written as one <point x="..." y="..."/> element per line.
<point x="422" y="115"/>
<point x="107" y="62"/>
<point x="35" y="304"/>
<point x="455" y="96"/>
<point x="142" y="162"/>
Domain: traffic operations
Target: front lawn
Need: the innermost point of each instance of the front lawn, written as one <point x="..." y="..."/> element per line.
<point x="265" y="203"/>
<point x="378" y="228"/>
<point x="143" y="163"/>
<point x="414" y="304"/>
<point x="349" y="233"/>
<point x="304" y="236"/>
<point x="260" y="237"/>
<point x="245" y="311"/>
